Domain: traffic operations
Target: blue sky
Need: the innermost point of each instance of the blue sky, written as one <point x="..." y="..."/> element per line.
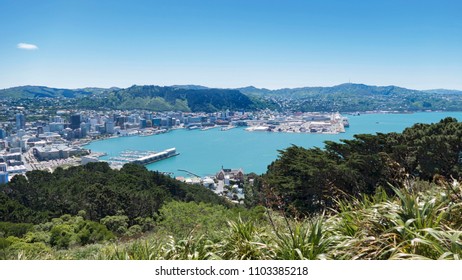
<point x="231" y="43"/>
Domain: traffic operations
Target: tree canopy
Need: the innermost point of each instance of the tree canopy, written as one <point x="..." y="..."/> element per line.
<point x="306" y="180"/>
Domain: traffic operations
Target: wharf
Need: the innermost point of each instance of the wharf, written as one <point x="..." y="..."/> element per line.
<point x="143" y="157"/>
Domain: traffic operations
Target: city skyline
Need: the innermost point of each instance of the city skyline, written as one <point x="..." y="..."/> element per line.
<point x="231" y="44"/>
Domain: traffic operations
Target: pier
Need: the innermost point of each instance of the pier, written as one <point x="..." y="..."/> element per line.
<point x="190" y="173"/>
<point x="143" y="157"/>
<point x="156" y="157"/>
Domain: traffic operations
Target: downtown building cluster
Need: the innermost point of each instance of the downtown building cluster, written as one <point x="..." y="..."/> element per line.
<point x="31" y="144"/>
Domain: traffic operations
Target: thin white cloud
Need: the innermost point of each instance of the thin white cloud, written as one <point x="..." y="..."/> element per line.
<point x="28" y="47"/>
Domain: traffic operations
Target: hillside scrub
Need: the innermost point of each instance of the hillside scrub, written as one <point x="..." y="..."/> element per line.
<point x="420" y="221"/>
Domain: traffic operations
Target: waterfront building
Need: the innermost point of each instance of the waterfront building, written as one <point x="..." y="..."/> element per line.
<point x="93" y="122"/>
<point x="156" y="122"/>
<point x="164" y="122"/>
<point x="101" y="129"/>
<point x="194" y="119"/>
<point x="120" y="121"/>
<point x="109" y="127"/>
<point x="143" y="123"/>
<point x="178" y="116"/>
<point x="84" y="129"/>
<point x="148" y="116"/>
<point x="56" y="152"/>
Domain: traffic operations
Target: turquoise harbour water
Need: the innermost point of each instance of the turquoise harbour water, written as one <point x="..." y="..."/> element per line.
<point x="205" y="152"/>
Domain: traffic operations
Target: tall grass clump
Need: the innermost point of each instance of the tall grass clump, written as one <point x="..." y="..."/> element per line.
<point x="306" y="240"/>
<point x="246" y="241"/>
<point x="417" y="223"/>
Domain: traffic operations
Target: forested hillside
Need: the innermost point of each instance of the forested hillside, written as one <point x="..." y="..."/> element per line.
<point x="90" y="203"/>
<point x="96" y="189"/>
<point x="170" y="99"/>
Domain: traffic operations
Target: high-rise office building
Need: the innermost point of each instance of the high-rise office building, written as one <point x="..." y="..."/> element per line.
<point x="109" y="125"/>
<point x="75" y="121"/>
<point x="84" y="129"/>
<point x="3" y="174"/>
<point x="3" y="178"/>
<point x="20" y="121"/>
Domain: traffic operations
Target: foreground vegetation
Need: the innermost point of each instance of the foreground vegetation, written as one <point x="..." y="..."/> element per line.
<point x="421" y="221"/>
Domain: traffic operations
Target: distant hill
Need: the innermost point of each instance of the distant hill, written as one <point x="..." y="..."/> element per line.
<point x="43" y="92"/>
<point x="444" y="91"/>
<point x="339" y="89"/>
<point x="195" y="87"/>
<point x="194" y="98"/>
<point x="96" y="90"/>
<point x="170" y="98"/>
<point x="359" y="97"/>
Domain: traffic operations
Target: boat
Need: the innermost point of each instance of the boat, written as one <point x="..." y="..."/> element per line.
<point x="147" y="133"/>
<point x="225" y="128"/>
<point x="207" y="128"/>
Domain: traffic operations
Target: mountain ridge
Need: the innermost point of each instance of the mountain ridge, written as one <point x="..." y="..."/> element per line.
<point x="31" y="91"/>
<point x="346" y="97"/>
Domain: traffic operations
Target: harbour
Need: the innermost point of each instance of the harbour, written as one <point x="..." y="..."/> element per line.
<point x="204" y="151"/>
